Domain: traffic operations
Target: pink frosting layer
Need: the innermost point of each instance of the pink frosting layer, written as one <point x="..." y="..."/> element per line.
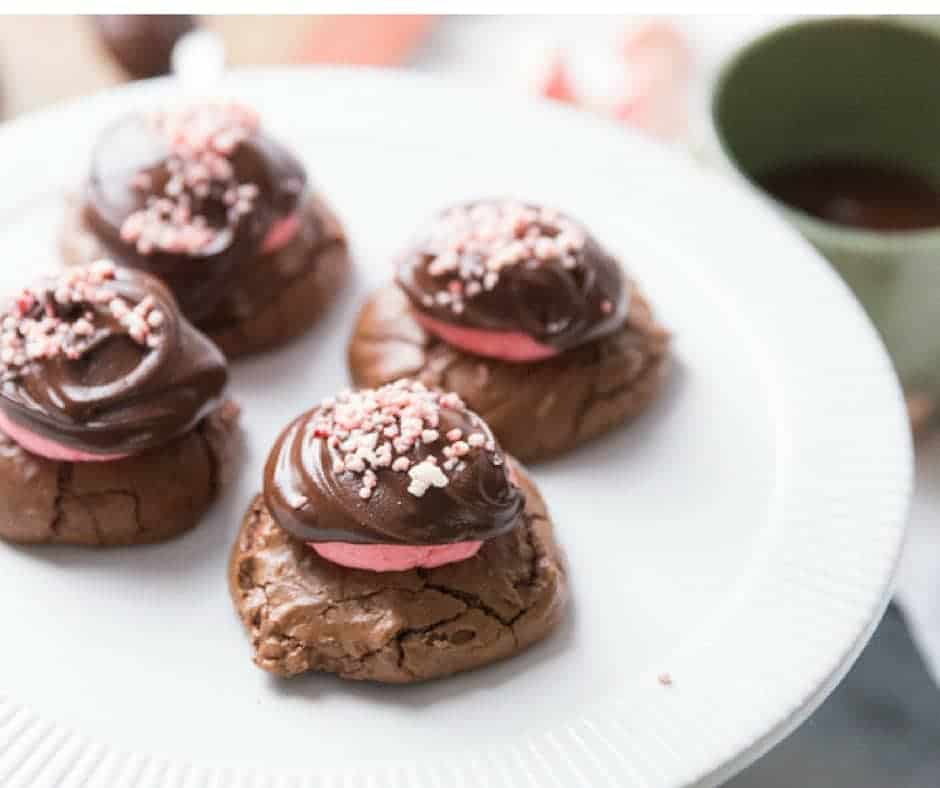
<point x="505" y="345"/>
<point x="393" y="557"/>
<point x="280" y="233"/>
<point x="37" y="444"/>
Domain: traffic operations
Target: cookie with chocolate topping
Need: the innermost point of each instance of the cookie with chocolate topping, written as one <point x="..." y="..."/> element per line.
<point x="522" y="312"/>
<point x="394" y="541"/>
<point x="112" y="418"/>
<point x="204" y="199"/>
<point x="142" y="44"/>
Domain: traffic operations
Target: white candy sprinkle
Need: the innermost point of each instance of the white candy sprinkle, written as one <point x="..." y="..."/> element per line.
<point x="376" y="429"/>
<point x="417" y="489"/>
<point x="62" y="315"/>
<point x="470" y="245"/>
<point x="424" y="475"/>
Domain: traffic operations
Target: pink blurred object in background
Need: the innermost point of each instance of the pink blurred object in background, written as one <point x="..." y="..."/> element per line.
<point x="557" y="82"/>
<point x="379" y="40"/>
<point x="656" y="58"/>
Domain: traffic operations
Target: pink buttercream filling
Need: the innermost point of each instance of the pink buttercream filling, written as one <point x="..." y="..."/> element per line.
<point x="280" y="233"/>
<point x="505" y="345"/>
<point x="37" y="444"/>
<point x="393" y="557"/>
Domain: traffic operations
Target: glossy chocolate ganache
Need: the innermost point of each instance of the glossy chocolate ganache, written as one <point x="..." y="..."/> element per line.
<point x="515" y="267"/>
<point x="98" y="359"/>
<point x="193" y="196"/>
<point x="399" y="465"/>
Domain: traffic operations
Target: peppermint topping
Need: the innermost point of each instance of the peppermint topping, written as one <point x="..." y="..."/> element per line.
<point x="202" y="140"/>
<point x="424" y="475"/>
<point x="470" y="246"/>
<point x="67" y="316"/>
<point x="373" y="429"/>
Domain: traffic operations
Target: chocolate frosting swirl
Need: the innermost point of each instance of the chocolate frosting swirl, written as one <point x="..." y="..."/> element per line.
<point x="99" y="359"/>
<point x="204" y="185"/>
<point x="315" y="489"/>
<point x="515" y="267"/>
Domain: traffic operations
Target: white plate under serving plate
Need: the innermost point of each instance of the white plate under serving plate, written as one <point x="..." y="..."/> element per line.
<point x="741" y="536"/>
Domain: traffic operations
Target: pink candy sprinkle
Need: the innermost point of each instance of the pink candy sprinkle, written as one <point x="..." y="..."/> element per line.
<point x="370" y="430"/>
<point x="201" y="138"/>
<point x="472" y="245"/>
<point x="43" y="322"/>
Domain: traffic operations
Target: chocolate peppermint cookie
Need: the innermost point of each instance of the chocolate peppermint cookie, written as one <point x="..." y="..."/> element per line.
<point x="520" y="310"/>
<point x="112" y="420"/>
<point x="142" y="44"/>
<point x="394" y="541"/>
<point x="204" y="199"/>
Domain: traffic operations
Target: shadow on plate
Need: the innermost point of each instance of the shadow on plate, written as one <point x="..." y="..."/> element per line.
<point x="633" y="435"/>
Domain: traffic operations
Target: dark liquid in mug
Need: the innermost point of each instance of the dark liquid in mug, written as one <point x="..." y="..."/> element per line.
<point x="867" y="194"/>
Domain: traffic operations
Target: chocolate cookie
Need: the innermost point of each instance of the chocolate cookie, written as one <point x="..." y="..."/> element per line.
<point x="517" y="308"/>
<point x="113" y="427"/>
<point x="512" y="280"/>
<point x="537" y="409"/>
<point x="147" y="497"/>
<point x="142" y="44"/>
<point x="204" y="199"/>
<point x="268" y="304"/>
<point x="306" y="613"/>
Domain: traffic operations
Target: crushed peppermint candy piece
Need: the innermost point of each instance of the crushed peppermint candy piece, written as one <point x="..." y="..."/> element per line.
<point x="424" y="475"/>
<point x="469" y="246"/>
<point x="202" y="140"/>
<point x="375" y="429"/>
<point x="68" y="315"/>
<point x="214" y="127"/>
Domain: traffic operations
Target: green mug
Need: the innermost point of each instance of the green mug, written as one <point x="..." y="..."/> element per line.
<point x="859" y="88"/>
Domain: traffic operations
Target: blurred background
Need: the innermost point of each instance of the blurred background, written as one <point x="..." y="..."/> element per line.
<point x="656" y="76"/>
<point x="78" y="53"/>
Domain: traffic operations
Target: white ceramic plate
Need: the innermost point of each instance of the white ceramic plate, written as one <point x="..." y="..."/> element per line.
<point x="741" y="536"/>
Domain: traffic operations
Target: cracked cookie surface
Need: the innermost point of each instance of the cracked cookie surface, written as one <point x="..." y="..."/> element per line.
<point x="535" y="409"/>
<point x="304" y="613"/>
<point x="148" y="497"/>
